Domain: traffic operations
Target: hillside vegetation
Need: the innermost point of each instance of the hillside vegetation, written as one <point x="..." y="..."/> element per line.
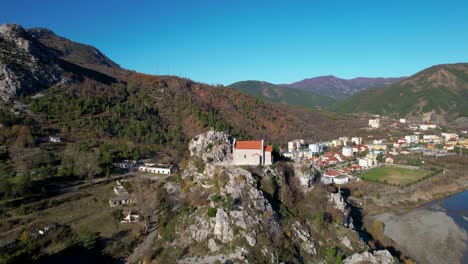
<point x="442" y="89"/>
<point x="339" y="88"/>
<point x="274" y="93"/>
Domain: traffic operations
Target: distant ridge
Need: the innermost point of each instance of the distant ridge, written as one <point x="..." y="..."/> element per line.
<point x="274" y="93"/>
<point x="441" y="89"/>
<point x="338" y="88"/>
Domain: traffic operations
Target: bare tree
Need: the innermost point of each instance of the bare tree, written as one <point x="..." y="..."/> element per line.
<point x="148" y="198"/>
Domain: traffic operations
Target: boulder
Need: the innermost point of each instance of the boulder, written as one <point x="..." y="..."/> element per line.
<point x="212" y="246"/>
<point x="376" y="257"/>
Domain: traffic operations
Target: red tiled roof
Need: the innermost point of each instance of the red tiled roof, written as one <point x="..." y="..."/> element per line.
<point x="332" y="173"/>
<point x="248" y="145"/>
<point x="269" y="148"/>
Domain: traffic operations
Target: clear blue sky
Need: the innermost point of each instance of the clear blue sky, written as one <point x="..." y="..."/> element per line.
<point x="221" y="41"/>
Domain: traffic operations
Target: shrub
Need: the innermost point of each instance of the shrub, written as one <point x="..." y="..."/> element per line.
<point x="212" y="212"/>
<point x="216" y="198"/>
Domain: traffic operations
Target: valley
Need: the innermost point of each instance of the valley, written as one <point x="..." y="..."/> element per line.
<point x="100" y="164"/>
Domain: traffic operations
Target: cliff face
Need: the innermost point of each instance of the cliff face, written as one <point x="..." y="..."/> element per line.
<point x="26" y="66"/>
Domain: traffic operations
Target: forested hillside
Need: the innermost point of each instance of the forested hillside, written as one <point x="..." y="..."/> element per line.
<point x="104" y="113"/>
<point x="274" y="93"/>
<point x="442" y="89"/>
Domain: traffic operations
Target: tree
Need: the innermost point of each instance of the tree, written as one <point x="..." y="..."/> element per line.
<point x="149" y="197"/>
<point x="380" y="157"/>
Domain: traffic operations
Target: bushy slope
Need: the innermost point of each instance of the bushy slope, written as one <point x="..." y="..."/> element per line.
<point x="442" y="89"/>
<point x="273" y="93"/>
<point x="136" y="113"/>
<point x="338" y="88"/>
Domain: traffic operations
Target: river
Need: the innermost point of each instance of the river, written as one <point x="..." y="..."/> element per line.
<point x="455" y="206"/>
<point x="433" y="233"/>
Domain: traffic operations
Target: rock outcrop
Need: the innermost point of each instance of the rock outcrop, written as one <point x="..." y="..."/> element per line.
<point x="340" y="204"/>
<point x="26" y="66"/>
<point x="304" y="238"/>
<point x="376" y="257"/>
<point x="211" y="146"/>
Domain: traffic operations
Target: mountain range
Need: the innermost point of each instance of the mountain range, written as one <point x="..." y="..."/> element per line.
<point x="441" y="89"/>
<point x="76" y="91"/>
<point x="283" y="95"/>
<point x="338" y="88"/>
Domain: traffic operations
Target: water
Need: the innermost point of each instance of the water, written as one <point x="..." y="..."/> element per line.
<point x="455" y="206"/>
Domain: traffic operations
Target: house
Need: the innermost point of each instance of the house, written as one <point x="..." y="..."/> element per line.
<point x="295" y="145"/>
<point x="403" y="120"/>
<point x="449" y="147"/>
<point x="344" y="140"/>
<point x="251" y="153"/>
<point x="425" y="127"/>
<point x="356" y="140"/>
<point x="449" y="136"/>
<point x="334" y="176"/>
<point x="368" y="162"/>
<point x="336" y="143"/>
<point x="120" y="190"/>
<point x="130" y="217"/>
<point x="430" y="138"/>
<point x="347" y="151"/>
<point x="411" y="139"/>
<point x="390" y="160"/>
<point x="156" y="168"/>
<point x="126" y="165"/>
<point x="341" y="179"/>
<point x="315" y="148"/>
<point x="55" y="139"/>
<point x="120" y="200"/>
<point x="374" y="123"/>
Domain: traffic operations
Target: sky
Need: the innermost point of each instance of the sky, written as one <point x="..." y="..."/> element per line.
<point x="223" y="41"/>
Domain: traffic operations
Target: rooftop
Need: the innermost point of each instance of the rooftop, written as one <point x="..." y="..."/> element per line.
<point x="248" y="144"/>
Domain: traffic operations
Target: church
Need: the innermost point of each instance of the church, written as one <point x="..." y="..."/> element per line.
<point x="251" y="153"/>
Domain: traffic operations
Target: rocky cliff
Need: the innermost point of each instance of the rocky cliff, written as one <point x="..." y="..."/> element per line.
<point x="26" y="66"/>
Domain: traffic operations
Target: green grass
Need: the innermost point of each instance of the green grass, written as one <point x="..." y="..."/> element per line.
<point x="394" y="175"/>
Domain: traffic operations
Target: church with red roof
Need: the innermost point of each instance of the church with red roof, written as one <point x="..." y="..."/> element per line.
<point x="251" y="153"/>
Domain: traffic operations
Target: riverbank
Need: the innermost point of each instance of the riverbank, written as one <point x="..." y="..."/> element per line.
<point x="426" y="235"/>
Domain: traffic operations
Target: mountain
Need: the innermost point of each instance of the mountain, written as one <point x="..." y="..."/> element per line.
<point x="278" y="94"/>
<point x="440" y="89"/>
<point x="71" y="51"/>
<point x="338" y="88"/>
<point x="76" y="91"/>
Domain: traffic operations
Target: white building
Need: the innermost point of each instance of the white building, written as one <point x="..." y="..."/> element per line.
<point x="126" y="164"/>
<point x="156" y="168"/>
<point x="315" y="148"/>
<point x="412" y="139"/>
<point x="374" y="123"/>
<point x="403" y="120"/>
<point x="430" y="138"/>
<point x="425" y="127"/>
<point x="344" y="140"/>
<point x="341" y="179"/>
<point x="449" y="136"/>
<point x="291" y="146"/>
<point x="367" y="162"/>
<point x="251" y="153"/>
<point x="337" y="143"/>
<point x="347" y="151"/>
<point x="55" y="139"/>
<point x="356" y="140"/>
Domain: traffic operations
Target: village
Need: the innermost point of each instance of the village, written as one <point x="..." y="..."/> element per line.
<point x="337" y="162"/>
